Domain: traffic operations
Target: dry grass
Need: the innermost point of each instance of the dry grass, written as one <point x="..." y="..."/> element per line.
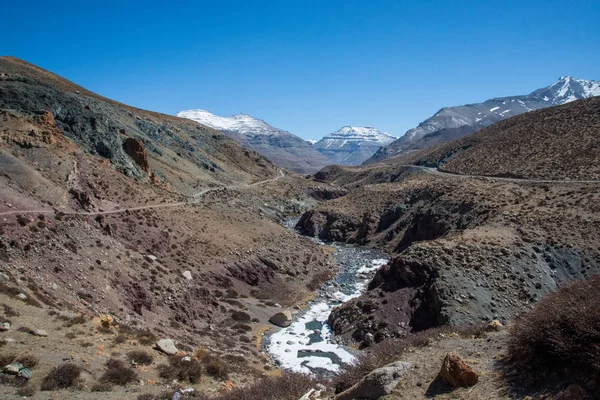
<point x="289" y="386"/>
<point x="559" y="339"/>
<point x="181" y="368"/>
<point x="118" y="373"/>
<point x="62" y="377"/>
<point x="140" y="357"/>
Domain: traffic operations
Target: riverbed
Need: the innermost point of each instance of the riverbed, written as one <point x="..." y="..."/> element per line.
<point x="307" y="344"/>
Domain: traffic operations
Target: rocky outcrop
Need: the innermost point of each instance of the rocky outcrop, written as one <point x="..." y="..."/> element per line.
<point x="136" y="150"/>
<point x="379" y="382"/>
<point x="456" y="373"/>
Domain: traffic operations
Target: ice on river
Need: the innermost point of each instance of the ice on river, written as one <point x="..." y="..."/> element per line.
<point x="306" y="345"/>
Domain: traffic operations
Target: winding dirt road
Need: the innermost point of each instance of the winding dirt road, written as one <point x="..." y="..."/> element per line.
<point x="195" y="199"/>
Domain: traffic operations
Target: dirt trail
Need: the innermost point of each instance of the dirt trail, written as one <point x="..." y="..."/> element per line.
<point x="195" y="199"/>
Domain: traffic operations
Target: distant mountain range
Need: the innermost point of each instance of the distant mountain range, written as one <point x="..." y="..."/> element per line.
<point x="352" y="145"/>
<point x="278" y="145"/>
<point x="451" y="123"/>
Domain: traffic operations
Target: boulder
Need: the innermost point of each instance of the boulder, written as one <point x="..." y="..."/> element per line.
<point x="150" y="258"/>
<point x="282" y="318"/>
<point x="377" y="383"/>
<point x="21" y="296"/>
<point x="167" y="346"/>
<point x="456" y="373"/>
<point x="494" y="326"/>
<point x="4" y="326"/>
<point x="187" y="275"/>
<point x="39" y="332"/>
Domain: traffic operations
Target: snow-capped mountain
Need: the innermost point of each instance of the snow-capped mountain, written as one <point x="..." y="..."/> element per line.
<point x="278" y="145"/>
<point x="454" y="122"/>
<point x="352" y="145"/>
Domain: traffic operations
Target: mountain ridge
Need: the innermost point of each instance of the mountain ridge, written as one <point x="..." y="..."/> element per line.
<point x="278" y="145"/>
<point x="457" y="121"/>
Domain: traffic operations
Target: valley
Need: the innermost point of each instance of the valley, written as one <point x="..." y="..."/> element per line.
<point x="148" y="255"/>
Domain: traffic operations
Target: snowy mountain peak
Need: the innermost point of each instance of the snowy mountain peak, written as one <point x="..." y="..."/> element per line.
<point x="361" y="133"/>
<point x="242" y="124"/>
<point x="568" y="89"/>
<point x="351" y="145"/>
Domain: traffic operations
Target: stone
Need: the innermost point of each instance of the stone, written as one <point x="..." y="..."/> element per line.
<point x="167" y="346"/>
<point x="21" y="296"/>
<point x="282" y="318"/>
<point x="187" y="275"/>
<point x="39" y="332"/>
<point x="150" y="258"/>
<point x="494" y="326"/>
<point x="456" y="373"/>
<point x="4" y="326"/>
<point x="136" y="150"/>
<point x="13" y="368"/>
<point x="377" y="383"/>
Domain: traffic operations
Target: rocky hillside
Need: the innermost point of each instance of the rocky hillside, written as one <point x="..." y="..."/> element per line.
<point x="138" y="226"/>
<point x="279" y="146"/>
<point x="352" y="145"/>
<point x="554" y="143"/>
<point x="469" y="249"/>
<point x="454" y="122"/>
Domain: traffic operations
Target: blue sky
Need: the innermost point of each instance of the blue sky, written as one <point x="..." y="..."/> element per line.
<point x="309" y="67"/>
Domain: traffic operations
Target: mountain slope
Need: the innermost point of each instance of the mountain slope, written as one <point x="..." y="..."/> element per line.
<point x="453" y="122"/>
<point x="561" y="142"/>
<point x="279" y="146"/>
<point x="179" y="151"/>
<point x="352" y="145"/>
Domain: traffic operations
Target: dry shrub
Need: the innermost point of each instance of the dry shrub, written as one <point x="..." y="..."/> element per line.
<point x="217" y="368"/>
<point x="62" y="377"/>
<point x="181" y="368"/>
<point x="559" y="338"/>
<point x="140" y="357"/>
<point x="118" y="373"/>
<point x="28" y="360"/>
<point x="289" y="386"/>
<point x="6" y="359"/>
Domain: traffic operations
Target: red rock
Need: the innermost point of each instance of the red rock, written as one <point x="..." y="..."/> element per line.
<point x="136" y="150"/>
<point x="456" y="373"/>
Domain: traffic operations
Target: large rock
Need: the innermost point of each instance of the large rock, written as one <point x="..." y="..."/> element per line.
<point x="456" y="373"/>
<point x="167" y="346"/>
<point x="136" y="150"/>
<point x="377" y="383"/>
<point x="39" y="332"/>
<point x="283" y="319"/>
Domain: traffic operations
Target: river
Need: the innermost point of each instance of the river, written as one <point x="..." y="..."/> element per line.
<point x="306" y="345"/>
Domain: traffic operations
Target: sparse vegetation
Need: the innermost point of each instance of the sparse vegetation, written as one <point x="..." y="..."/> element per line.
<point x="184" y="369"/>
<point x="140" y="357"/>
<point x="118" y="373"/>
<point x="560" y="338"/>
<point x="62" y="377"/>
<point x="289" y="386"/>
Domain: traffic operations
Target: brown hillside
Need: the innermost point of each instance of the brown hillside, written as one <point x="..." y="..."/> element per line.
<point x="560" y="142"/>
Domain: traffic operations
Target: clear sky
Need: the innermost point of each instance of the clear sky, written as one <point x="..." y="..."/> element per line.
<point x="309" y="67"/>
